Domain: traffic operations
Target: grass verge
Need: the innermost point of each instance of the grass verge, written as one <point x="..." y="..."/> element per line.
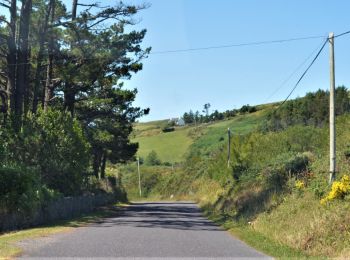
<point x="257" y="240"/>
<point x="9" y="241"/>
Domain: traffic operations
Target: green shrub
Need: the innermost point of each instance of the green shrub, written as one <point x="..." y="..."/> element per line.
<point x="53" y="142"/>
<point x="168" y="129"/>
<point x="297" y="165"/>
<point x="275" y="179"/>
<point x="21" y="190"/>
<point x="152" y="159"/>
<point x="112" y="180"/>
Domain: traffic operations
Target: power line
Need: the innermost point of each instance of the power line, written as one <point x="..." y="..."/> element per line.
<point x="62" y="60"/>
<point x="245" y="44"/>
<point x="293" y="73"/>
<point x="215" y="47"/>
<point x="341" y="34"/>
<point x="212" y="47"/>
<point x="238" y="45"/>
<point x="302" y="76"/>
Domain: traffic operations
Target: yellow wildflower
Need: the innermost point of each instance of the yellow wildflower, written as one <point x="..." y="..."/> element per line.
<point x="339" y="189"/>
<point x="299" y="184"/>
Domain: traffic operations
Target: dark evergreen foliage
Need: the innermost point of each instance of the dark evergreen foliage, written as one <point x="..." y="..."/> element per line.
<point x="313" y="109"/>
<point x="194" y="118"/>
<point x="61" y="92"/>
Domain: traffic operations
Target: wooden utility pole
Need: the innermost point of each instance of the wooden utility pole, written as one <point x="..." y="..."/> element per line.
<point x="138" y="171"/>
<point x="229" y="147"/>
<point x="332" y="147"/>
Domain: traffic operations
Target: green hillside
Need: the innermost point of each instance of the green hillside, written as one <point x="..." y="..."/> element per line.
<point x="173" y="146"/>
<point x="214" y="135"/>
<point x="170" y="147"/>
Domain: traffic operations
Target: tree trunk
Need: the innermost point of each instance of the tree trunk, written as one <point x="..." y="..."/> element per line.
<point x="49" y="72"/>
<point x="38" y="72"/>
<point x="74" y="9"/>
<point x="69" y="92"/>
<point x="12" y="56"/>
<point x="96" y="163"/>
<point x="48" y="83"/>
<point x="28" y="91"/>
<point x="22" y="80"/>
<point x="69" y="98"/>
<point x="103" y="165"/>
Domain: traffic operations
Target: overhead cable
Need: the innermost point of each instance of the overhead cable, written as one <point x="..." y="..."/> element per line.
<point x="238" y="45"/>
<point x="302" y="76"/>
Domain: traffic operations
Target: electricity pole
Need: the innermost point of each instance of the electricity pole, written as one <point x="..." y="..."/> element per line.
<point x="332" y="151"/>
<point x="138" y="170"/>
<point x="229" y="148"/>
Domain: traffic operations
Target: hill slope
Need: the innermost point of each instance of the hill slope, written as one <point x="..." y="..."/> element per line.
<point x="170" y="147"/>
<point x="173" y="146"/>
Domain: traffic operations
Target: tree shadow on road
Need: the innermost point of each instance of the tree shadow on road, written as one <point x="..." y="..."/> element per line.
<point x="182" y="216"/>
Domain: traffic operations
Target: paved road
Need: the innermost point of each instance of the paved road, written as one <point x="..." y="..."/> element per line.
<point x="145" y="230"/>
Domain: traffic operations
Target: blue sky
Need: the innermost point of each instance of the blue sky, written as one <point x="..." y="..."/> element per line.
<point x="171" y="84"/>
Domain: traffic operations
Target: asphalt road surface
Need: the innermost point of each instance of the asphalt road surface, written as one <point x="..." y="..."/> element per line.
<point x="145" y="230"/>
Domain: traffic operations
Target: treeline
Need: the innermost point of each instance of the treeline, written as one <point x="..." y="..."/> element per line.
<point x="206" y="117"/>
<point x="313" y="110"/>
<point x="64" y="111"/>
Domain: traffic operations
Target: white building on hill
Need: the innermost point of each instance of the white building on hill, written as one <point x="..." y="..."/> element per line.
<point x="177" y="121"/>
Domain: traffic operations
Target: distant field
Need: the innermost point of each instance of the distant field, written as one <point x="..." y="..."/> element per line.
<point x="141" y="127"/>
<point x="216" y="134"/>
<point x="171" y="147"/>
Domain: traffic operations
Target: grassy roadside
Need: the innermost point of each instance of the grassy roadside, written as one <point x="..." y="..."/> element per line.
<point x="247" y="234"/>
<point x="8" y="241"/>
<point x="255" y="239"/>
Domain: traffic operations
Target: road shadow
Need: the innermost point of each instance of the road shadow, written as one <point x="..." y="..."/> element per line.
<point x="181" y="216"/>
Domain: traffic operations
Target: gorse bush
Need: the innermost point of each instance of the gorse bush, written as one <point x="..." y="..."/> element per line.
<point x="339" y="189"/>
<point x="299" y="184"/>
